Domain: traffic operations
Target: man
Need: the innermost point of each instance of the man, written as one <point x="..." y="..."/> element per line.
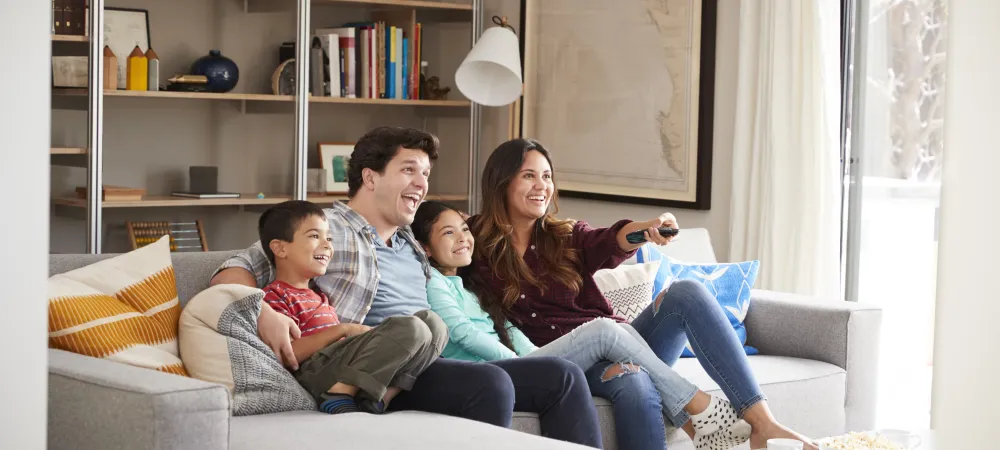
<point x="378" y="270"/>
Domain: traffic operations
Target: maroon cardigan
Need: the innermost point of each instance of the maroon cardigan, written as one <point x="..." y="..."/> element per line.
<point x="545" y="318"/>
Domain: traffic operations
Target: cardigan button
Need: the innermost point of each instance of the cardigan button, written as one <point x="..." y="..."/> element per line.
<point x="533" y="314"/>
<point x="532" y="247"/>
<point x="522" y="295"/>
<point x="553" y="327"/>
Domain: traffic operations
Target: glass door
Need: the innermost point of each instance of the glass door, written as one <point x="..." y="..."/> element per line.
<point x="894" y="89"/>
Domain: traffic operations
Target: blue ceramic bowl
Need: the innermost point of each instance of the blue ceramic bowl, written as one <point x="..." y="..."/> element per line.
<point x="221" y="72"/>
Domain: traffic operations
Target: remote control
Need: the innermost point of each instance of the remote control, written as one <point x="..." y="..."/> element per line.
<point x="636" y="237"/>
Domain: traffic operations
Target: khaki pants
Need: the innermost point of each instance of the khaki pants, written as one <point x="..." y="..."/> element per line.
<point x="392" y="354"/>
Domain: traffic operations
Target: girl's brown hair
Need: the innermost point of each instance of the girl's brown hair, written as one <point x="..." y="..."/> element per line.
<point x="423" y="224"/>
<point x="494" y="234"/>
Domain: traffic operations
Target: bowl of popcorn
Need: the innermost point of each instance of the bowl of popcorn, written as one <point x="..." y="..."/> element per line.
<point x="858" y="441"/>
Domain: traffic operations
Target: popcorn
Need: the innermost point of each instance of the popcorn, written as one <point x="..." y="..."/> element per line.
<point x="858" y="441"/>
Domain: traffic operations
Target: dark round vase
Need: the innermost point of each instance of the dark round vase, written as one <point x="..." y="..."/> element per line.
<point x="221" y="72"/>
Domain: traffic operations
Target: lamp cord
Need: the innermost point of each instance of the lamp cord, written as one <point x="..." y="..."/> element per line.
<point x="502" y="21"/>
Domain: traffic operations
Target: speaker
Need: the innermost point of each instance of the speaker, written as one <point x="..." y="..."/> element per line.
<point x="203" y="179"/>
<point x="286" y="51"/>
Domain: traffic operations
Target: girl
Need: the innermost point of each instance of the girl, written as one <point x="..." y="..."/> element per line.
<point x="474" y="336"/>
<point x="540" y="272"/>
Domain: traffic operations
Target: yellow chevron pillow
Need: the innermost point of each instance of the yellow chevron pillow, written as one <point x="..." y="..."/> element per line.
<point x="123" y="309"/>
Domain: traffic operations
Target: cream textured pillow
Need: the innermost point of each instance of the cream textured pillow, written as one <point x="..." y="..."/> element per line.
<point x="219" y="343"/>
<point x="629" y="287"/>
<point x="122" y="309"/>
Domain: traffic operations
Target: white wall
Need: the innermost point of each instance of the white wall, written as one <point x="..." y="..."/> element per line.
<point x="966" y="363"/>
<point x="24" y="180"/>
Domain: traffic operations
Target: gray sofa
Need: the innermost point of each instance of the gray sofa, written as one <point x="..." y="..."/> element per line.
<point x="817" y="367"/>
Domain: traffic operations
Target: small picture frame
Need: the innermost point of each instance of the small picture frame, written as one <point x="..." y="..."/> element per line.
<point x="334" y="158"/>
<point x="69" y="71"/>
<point x="124" y="29"/>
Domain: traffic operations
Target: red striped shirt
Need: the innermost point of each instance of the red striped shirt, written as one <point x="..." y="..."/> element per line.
<point x="310" y="310"/>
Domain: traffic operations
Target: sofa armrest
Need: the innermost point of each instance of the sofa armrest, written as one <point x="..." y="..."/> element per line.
<point x="100" y="404"/>
<point x="844" y="334"/>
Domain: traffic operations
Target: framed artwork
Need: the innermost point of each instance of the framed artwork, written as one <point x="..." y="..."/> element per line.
<point x="334" y="158"/>
<point x="124" y="29"/>
<point x="69" y="71"/>
<point x="621" y="93"/>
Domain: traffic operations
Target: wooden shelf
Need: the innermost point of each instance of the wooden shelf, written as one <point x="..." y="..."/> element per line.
<point x="199" y="95"/>
<point x="385" y="101"/>
<point x="261" y="97"/>
<point x="69" y="38"/>
<point x="327" y="199"/>
<point x="156" y="201"/>
<point x="68" y="151"/>
<point x="161" y="201"/>
<point x="403" y="4"/>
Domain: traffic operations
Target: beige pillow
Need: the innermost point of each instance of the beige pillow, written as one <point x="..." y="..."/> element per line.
<point x="204" y="350"/>
<point x="219" y="344"/>
<point x="122" y="309"/>
<point x="629" y="287"/>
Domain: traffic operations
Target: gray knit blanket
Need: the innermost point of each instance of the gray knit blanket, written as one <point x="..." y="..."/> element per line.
<point x="258" y="382"/>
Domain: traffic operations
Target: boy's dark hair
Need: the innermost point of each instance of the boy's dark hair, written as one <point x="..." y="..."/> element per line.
<point x="280" y="222"/>
<point x="377" y="147"/>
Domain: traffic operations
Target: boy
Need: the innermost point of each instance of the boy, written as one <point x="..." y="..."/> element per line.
<point x="345" y="367"/>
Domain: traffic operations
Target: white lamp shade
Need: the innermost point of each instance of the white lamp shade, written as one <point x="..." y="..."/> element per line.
<point x="491" y="72"/>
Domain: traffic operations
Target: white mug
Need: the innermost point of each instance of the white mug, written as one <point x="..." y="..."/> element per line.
<point x="784" y="444"/>
<point x="902" y="437"/>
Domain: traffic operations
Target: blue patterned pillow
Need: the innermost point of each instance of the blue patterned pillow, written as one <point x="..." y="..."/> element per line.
<point x="730" y="283"/>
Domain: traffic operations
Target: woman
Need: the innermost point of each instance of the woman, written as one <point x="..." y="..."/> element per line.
<point x="541" y="268"/>
<point x="446" y="238"/>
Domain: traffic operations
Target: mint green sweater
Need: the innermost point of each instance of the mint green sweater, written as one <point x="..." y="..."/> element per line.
<point x="470" y="329"/>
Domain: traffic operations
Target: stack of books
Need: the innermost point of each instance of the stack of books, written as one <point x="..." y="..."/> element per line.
<point x="367" y="60"/>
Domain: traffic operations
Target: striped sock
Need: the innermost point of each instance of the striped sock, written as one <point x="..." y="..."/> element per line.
<point x="370" y="407"/>
<point x="338" y="404"/>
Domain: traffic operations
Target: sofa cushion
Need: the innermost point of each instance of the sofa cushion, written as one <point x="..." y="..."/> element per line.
<point x="692" y="244"/>
<point x="123" y="309"/>
<point x="219" y="343"/>
<point x="729" y="283"/>
<point x="394" y="431"/>
<point x="806" y="395"/>
<point x="629" y="287"/>
<point x="193" y="270"/>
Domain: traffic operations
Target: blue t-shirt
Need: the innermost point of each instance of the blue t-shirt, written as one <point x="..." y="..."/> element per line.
<point x="402" y="285"/>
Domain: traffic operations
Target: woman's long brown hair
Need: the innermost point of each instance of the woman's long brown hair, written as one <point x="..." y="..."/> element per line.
<point x="494" y="234"/>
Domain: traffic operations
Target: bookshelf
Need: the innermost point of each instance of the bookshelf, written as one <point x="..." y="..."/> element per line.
<point x="68" y="151"/>
<point x="69" y="38"/>
<point x="432" y="5"/>
<point x="260" y="97"/>
<point x="147" y="139"/>
<point x="166" y="201"/>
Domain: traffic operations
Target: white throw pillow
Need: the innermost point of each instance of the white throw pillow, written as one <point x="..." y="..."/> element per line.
<point x="629" y="287"/>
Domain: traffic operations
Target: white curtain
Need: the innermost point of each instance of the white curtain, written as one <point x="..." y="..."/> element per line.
<point x="786" y="160"/>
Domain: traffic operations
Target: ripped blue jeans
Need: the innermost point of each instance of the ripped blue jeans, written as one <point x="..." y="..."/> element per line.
<point x="603" y="342"/>
<point x="687" y="312"/>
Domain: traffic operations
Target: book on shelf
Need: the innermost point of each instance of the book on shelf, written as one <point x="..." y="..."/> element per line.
<point x="69" y="17"/>
<point x="370" y="60"/>
<point x="186" y="194"/>
<point x="113" y="193"/>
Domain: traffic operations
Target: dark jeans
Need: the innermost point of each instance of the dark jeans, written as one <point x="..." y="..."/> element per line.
<point x="490" y="392"/>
